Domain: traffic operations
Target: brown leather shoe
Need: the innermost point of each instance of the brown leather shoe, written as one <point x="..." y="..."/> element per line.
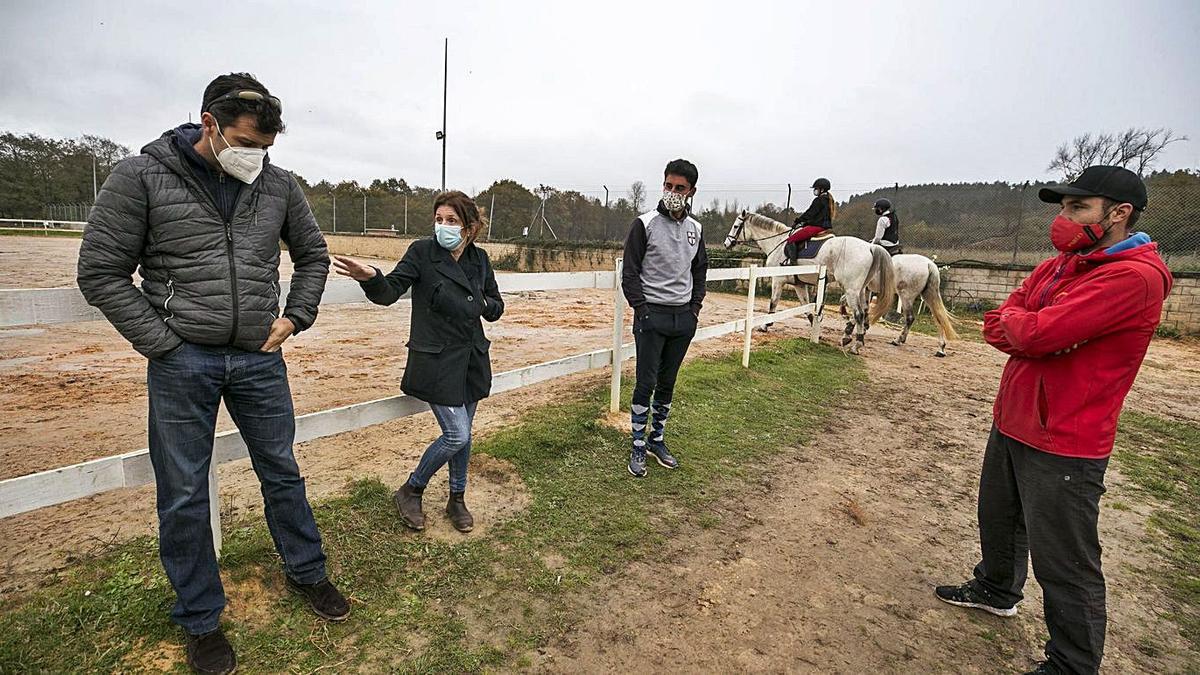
<point x="408" y="504"/>
<point x="460" y="517"/>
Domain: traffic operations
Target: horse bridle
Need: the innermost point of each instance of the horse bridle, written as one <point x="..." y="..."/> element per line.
<point x="737" y="236"/>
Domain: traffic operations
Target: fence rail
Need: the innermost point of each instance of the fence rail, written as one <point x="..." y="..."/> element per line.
<point x="131" y="469"/>
<point x="41" y="224"/>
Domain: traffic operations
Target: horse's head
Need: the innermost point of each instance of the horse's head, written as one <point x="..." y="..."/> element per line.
<point x="737" y="231"/>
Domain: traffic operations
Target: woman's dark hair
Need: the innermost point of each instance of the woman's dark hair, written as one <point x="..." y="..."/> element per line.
<point x="684" y="168"/>
<point x="463" y="206"/>
<point x="267" y="115"/>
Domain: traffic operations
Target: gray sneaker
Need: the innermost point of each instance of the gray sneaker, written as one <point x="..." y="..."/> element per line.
<point x="637" y="462"/>
<point x="664" y="457"/>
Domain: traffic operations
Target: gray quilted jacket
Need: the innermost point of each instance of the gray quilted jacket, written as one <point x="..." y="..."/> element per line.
<point x="205" y="280"/>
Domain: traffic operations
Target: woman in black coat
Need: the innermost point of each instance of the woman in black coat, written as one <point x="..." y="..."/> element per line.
<point x="453" y="287"/>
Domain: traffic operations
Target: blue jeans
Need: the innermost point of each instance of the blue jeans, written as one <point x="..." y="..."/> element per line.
<point x="453" y="446"/>
<point x="186" y="388"/>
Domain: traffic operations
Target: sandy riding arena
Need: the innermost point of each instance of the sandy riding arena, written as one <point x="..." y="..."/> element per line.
<point x="822" y="559"/>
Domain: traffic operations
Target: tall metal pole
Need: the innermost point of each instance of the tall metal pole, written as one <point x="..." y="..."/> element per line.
<point x="606" y="213"/>
<point x="335" y="213"/>
<point x="95" y="192"/>
<point x="445" y="99"/>
<point x="405" y="214"/>
<point x="491" y="216"/>
<point x="364" y="213"/>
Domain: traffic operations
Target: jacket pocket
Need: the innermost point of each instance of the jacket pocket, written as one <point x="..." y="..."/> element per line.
<point x="1043" y="404"/>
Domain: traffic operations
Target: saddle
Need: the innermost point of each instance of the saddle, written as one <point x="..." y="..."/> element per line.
<point x="893" y="250"/>
<point x="806" y="250"/>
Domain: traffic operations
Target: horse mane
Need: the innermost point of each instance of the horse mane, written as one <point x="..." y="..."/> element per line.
<point x="760" y="220"/>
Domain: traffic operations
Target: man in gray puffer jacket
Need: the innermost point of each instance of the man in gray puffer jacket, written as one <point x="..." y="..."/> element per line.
<point x="200" y="214"/>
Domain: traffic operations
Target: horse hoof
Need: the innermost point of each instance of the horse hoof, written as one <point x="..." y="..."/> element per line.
<point x="940" y="355"/>
<point x="846" y="341"/>
<point x="895" y="343"/>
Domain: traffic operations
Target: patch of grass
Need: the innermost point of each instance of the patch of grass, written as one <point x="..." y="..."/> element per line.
<point x="1162" y="459"/>
<point x="424" y="605"/>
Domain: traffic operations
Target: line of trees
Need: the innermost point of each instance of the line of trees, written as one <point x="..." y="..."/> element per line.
<point x="36" y="172"/>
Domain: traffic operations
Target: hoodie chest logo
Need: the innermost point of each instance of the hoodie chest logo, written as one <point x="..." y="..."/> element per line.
<point x="691" y="237"/>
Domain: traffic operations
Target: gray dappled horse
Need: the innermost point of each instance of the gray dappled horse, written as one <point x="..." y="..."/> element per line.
<point x="918" y="276"/>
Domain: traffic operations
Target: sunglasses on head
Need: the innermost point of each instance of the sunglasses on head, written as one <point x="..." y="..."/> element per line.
<point x="249" y="95"/>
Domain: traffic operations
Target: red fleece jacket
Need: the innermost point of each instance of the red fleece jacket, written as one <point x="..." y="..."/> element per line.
<point x="1077" y="330"/>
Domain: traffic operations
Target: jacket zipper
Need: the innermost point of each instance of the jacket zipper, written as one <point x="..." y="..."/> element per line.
<point x="275" y="290"/>
<point x="167" y="302"/>
<point x="233" y="288"/>
<point x="1054" y="282"/>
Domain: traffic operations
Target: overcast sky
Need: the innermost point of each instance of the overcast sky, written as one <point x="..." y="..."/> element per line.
<point x="579" y="95"/>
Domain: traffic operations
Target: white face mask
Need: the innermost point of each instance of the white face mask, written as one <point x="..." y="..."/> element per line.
<point x="673" y="201"/>
<point x="243" y="164"/>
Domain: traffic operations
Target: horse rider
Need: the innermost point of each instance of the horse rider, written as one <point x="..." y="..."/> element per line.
<point x="817" y="220"/>
<point x="887" y="228"/>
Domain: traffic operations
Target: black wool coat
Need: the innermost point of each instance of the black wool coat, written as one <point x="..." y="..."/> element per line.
<point x="448" y="360"/>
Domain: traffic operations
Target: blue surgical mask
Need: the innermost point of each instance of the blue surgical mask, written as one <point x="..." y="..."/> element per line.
<point x="448" y="236"/>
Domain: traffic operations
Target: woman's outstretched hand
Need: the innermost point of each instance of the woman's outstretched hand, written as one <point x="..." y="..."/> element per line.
<point x="349" y="267"/>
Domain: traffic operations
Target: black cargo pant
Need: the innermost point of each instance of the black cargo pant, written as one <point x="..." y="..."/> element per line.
<point x="1036" y="504"/>
<point x="662" y="334"/>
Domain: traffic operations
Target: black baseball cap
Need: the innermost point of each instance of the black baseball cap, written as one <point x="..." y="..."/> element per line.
<point x="1115" y="182"/>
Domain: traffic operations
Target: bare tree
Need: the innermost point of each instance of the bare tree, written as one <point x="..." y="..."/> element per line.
<point x="1134" y="148"/>
<point x="637" y="195"/>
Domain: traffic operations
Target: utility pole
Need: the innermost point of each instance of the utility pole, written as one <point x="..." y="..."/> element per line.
<point x="334" y="212"/>
<point x="95" y="191"/>
<point x="445" y="88"/>
<point x="491" y="216"/>
<point x="364" y="213"/>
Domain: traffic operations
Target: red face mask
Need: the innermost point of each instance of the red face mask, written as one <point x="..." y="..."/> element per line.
<point x="1068" y="235"/>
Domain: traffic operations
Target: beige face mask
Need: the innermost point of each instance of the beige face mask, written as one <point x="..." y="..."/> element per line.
<point x="243" y="164"/>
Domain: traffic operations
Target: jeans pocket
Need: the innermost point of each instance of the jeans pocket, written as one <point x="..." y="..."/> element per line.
<point x="171" y="354"/>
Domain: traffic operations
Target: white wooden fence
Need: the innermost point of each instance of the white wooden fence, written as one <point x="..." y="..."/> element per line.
<point x="39" y="224"/>
<point x="131" y="469"/>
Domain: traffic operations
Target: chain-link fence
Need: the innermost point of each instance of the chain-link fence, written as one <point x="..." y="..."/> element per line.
<point x="987" y="222"/>
<point x="75" y="211"/>
<point x="1002" y="223"/>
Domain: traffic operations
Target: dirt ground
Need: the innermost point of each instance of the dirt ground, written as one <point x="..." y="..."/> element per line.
<point x="74" y="392"/>
<point x="826" y="566"/>
<point x="829" y="565"/>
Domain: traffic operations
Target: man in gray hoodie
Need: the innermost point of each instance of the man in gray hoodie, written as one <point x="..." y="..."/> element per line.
<point x="200" y="214"/>
<point x="665" y="268"/>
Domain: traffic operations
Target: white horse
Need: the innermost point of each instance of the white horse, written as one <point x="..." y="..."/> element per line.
<point x="858" y="266"/>
<point x="918" y="276"/>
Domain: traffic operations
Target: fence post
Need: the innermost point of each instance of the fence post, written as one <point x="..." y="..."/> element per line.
<point x="614" y="396"/>
<point x="820" y="308"/>
<point x="749" y="315"/>
<point x="214" y="506"/>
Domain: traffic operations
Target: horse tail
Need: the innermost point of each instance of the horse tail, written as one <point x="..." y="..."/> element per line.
<point x="881" y="263"/>
<point x="932" y="293"/>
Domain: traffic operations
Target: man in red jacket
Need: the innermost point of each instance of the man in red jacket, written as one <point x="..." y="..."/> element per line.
<point x="1076" y="332"/>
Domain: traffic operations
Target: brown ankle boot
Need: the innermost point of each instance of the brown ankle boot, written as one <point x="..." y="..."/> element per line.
<point x="460" y="517"/>
<point x="408" y="504"/>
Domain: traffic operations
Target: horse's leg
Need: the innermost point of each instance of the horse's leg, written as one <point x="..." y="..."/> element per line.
<point x="849" y="309"/>
<point x="906" y="307"/>
<point x="861" y="320"/>
<point x="776" y="293"/>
